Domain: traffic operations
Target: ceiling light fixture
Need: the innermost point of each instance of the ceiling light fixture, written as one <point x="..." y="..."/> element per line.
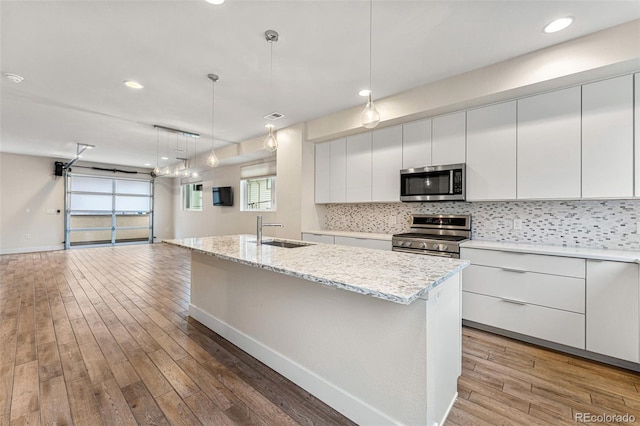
<point x="271" y="143"/>
<point x="215" y="2"/>
<point x="370" y="117"/>
<point x="212" y="159"/>
<point x="558" y="25"/>
<point x="14" y="78"/>
<point x="133" y="84"/>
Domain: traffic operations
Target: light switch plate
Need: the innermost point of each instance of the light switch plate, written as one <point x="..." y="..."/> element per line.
<point x="392" y="220"/>
<point x="517" y="223"/>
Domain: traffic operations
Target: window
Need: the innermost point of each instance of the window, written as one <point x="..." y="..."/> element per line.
<point x="258" y="194"/>
<point x="192" y="196"/>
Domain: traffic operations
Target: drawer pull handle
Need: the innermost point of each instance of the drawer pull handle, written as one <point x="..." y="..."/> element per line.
<point x="515" y="302"/>
<point x="519" y="271"/>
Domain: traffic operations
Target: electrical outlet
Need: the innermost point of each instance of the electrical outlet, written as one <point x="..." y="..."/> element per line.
<point x="517" y="223"/>
<point x="27" y="210"/>
<point x="27" y="236"/>
<point x="392" y="220"/>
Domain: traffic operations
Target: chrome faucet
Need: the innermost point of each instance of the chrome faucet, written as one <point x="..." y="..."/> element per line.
<point x="259" y="226"/>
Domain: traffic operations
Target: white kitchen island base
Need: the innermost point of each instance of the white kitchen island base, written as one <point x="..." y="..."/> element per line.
<point x="375" y="361"/>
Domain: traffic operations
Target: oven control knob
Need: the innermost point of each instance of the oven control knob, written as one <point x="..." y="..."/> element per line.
<point x="445" y="247"/>
<point x="435" y="247"/>
<point x="423" y="245"/>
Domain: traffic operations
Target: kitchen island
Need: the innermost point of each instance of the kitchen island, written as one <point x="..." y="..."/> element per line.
<point x="374" y="334"/>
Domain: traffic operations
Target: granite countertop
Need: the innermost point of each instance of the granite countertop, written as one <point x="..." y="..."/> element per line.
<point x="352" y="234"/>
<point x="583" y="253"/>
<point x="393" y="276"/>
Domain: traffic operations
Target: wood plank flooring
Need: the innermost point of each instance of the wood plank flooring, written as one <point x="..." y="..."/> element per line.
<point x="102" y="336"/>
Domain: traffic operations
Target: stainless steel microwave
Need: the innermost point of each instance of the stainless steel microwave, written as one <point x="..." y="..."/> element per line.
<point x="433" y="183"/>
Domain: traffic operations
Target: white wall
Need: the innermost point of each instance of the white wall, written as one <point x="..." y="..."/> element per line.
<point x="27" y="182"/>
<point x="163" y="210"/>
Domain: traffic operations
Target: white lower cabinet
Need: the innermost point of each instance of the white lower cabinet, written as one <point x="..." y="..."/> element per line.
<point x="363" y="242"/>
<point x="347" y="241"/>
<point x="553" y="325"/>
<point x="535" y="295"/>
<point x="317" y="238"/>
<point x="613" y="306"/>
<point x="588" y="304"/>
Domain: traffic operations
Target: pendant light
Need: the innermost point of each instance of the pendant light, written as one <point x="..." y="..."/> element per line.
<point x="370" y="117"/>
<point x="270" y="142"/>
<point x="157" y="171"/>
<point x="195" y="173"/>
<point x="212" y="160"/>
<point x="186" y="172"/>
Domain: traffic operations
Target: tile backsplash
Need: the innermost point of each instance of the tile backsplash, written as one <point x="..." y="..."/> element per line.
<point x="608" y="224"/>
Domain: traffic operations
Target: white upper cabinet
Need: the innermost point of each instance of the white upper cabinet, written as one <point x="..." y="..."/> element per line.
<point x="448" y="139"/>
<point x="386" y="164"/>
<point x="338" y="171"/>
<point x="323" y="173"/>
<point x="416" y="144"/>
<point x="491" y="152"/>
<point x="637" y="134"/>
<point x="549" y="145"/>
<point x="359" y="168"/>
<point x="607" y="138"/>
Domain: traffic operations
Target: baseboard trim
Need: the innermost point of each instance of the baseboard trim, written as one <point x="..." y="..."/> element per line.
<point x="337" y="398"/>
<point x="31" y="249"/>
<point x="446" y="413"/>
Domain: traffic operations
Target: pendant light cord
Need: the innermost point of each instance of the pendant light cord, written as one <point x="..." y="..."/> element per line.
<point x="157" y="148"/>
<point x="213" y="109"/>
<point x="370" y="42"/>
<point x="271" y="73"/>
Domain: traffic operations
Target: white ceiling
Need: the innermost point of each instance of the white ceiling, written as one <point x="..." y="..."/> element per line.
<point x="75" y="55"/>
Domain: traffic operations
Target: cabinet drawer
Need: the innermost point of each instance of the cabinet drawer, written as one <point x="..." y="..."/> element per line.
<point x="552" y="291"/>
<point x="556" y="265"/>
<point x="363" y="242"/>
<point x="567" y="328"/>
<point x="317" y="238"/>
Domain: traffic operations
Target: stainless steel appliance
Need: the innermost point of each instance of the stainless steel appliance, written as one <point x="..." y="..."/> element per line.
<point x="433" y="183"/>
<point x="435" y="235"/>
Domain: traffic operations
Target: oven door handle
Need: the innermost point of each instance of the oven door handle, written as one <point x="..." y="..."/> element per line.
<point x="451" y="182"/>
<point x="424" y="252"/>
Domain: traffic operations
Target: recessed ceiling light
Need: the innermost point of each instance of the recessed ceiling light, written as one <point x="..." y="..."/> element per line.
<point x="558" y="25"/>
<point x="15" y="78"/>
<point x="147" y="164"/>
<point x="164" y="158"/>
<point x="269" y="126"/>
<point x="216" y="2"/>
<point x="364" y="92"/>
<point x="133" y="84"/>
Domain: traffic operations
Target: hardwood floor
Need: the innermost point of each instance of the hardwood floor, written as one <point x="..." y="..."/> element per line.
<point x="102" y="336"/>
<point x="507" y="382"/>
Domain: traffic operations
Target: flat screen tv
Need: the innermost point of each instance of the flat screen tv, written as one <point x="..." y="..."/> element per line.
<point x="223" y="196"/>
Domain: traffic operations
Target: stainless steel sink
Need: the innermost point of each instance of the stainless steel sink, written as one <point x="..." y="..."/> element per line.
<point x="285" y="244"/>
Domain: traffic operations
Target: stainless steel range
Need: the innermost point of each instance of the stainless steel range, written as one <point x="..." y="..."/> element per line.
<point x="435" y="235"/>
